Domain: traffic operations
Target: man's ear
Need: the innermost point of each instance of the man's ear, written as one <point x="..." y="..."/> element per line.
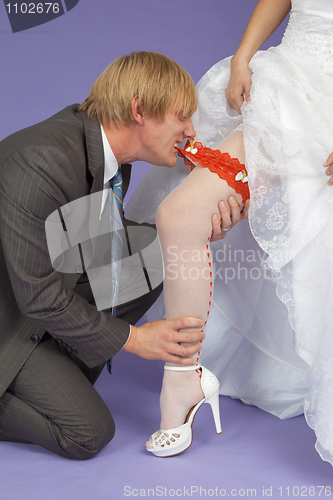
<point x="137" y="112"/>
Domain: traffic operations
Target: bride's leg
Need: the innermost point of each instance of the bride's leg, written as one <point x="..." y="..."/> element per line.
<point x="184" y="228"/>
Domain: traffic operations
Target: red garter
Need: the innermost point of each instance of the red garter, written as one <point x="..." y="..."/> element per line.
<point x="227" y="168"/>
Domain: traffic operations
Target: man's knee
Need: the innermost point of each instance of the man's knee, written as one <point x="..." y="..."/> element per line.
<point x="87" y="444"/>
<point x="104" y="433"/>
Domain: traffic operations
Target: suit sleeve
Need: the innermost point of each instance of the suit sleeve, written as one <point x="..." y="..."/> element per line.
<point x="29" y="194"/>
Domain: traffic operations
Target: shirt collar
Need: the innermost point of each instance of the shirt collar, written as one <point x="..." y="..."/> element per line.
<point x="110" y="162"/>
<point x="110" y="168"/>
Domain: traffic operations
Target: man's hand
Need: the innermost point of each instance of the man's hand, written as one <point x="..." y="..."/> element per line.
<point x="329" y="170"/>
<point x="228" y="217"/>
<point x="160" y="340"/>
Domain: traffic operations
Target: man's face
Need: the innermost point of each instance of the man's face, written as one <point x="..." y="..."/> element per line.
<point x="160" y="138"/>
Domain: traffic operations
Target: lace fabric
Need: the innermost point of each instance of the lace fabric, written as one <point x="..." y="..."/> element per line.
<point x="227" y="168"/>
<point x="288" y="136"/>
<point x="312" y="37"/>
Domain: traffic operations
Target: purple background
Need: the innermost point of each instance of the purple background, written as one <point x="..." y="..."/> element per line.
<point x="43" y="70"/>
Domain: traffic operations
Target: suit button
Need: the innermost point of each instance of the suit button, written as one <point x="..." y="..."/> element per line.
<point x="34" y="338"/>
<point x="79" y="269"/>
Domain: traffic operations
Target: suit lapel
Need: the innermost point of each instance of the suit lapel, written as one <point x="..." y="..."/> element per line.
<point x="95" y="154"/>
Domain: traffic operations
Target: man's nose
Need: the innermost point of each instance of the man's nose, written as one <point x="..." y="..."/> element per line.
<point x="189" y="130"/>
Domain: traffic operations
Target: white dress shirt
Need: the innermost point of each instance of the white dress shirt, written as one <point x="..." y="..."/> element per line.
<point x="111" y="166"/>
<point x="110" y="170"/>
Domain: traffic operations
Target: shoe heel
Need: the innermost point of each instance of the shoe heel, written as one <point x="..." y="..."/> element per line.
<point x="214" y="403"/>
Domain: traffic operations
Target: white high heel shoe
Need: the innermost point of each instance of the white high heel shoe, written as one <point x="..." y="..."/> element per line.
<point x="167" y="443"/>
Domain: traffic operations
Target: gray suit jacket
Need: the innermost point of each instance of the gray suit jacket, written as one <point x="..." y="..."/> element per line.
<point x="42" y="168"/>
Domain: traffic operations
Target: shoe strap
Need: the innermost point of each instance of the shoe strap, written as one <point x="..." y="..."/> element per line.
<point x="182" y="368"/>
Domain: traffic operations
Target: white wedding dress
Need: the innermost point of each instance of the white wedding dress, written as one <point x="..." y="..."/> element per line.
<point x="270" y="332"/>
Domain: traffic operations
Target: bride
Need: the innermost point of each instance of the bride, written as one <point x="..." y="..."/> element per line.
<point x="264" y="120"/>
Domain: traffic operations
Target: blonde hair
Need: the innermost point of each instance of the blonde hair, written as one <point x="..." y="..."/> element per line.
<point x="158" y="82"/>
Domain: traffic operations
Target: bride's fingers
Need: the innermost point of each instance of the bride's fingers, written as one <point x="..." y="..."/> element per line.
<point x="239" y="87"/>
<point x="236" y="102"/>
<point x="235" y="209"/>
<point x="226" y="220"/>
<point x="329" y="161"/>
<point x="230" y="215"/>
<point x="238" y="212"/>
<point x="329" y="170"/>
<point x="221" y="224"/>
<point x="216" y="225"/>
<point x="245" y="212"/>
<point x="234" y="94"/>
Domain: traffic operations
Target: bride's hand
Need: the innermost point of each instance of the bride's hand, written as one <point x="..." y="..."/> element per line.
<point x="228" y="220"/>
<point x="329" y="170"/>
<point x="239" y="85"/>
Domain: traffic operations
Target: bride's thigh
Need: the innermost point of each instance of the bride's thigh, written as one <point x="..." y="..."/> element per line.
<point x="189" y="208"/>
<point x="234" y="145"/>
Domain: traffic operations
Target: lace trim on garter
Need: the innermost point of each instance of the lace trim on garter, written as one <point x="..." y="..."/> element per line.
<point x="227" y="168"/>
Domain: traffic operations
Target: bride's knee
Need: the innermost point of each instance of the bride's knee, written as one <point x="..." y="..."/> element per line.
<point x="180" y="219"/>
<point x="170" y="217"/>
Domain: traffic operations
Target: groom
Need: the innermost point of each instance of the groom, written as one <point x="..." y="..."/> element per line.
<point x="53" y="340"/>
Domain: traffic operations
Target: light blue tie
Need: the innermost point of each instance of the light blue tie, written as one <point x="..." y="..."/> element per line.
<point x="116" y="215"/>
